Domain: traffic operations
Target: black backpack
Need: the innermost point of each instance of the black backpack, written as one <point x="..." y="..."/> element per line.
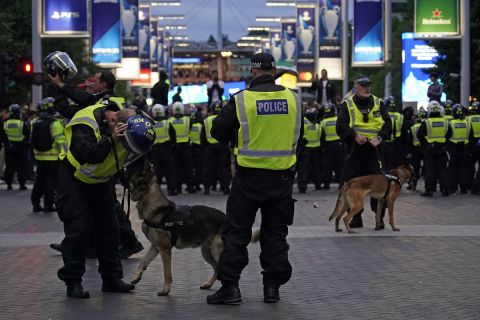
<point x="42" y="139"/>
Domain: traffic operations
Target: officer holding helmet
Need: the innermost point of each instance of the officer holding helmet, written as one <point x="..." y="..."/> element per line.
<point x="99" y="139"/>
<point x="457" y="146"/>
<point x="48" y="141"/>
<point x="14" y="135"/>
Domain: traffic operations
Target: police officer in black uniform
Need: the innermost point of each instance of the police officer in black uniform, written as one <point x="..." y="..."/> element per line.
<point x="363" y="123"/>
<point x="263" y="179"/>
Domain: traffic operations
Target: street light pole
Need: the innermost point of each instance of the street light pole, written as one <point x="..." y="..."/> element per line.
<point x="36" y="50"/>
<point x="219" y="39"/>
<point x="345" y="46"/>
<point x="465" y="55"/>
<point x="388" y="46"/>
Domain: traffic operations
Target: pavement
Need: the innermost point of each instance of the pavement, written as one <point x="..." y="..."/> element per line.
<point x="428" y="270"/>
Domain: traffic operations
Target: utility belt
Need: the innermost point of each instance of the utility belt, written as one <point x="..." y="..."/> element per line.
<point x="290" y="172"/>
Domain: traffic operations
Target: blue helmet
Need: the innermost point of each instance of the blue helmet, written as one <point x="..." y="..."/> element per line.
<point x="475" y="107"/>
<point x="47" y="105"/>
<point x="140" y="135"/>
<point x="330" y="110"/>
<point x="14" y="109"/>
<point x="457" y="111"/>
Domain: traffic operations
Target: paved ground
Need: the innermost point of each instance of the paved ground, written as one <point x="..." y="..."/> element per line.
<point x="428" y="270"/>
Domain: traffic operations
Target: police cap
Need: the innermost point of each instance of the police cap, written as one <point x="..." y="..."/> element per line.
<point x="263" y="61"/>
<point x="362" y="80"/>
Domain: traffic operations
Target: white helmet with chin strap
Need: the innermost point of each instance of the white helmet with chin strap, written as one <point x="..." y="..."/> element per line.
<point x="178" y="108"/>
<point x="435" y="107"/>
<point x="158" y="110"/>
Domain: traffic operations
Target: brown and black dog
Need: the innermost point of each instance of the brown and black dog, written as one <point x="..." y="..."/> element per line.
<point x="352" y="195"/>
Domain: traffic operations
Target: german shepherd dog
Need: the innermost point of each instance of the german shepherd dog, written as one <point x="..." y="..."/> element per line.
<point x="385" y="188"/>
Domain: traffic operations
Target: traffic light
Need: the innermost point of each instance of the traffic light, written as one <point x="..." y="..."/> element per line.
<point x="24" y="72"/>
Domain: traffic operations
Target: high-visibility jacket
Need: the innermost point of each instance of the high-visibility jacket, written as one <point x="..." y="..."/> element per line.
<point x="14" y="130"/>
<point x="87" y="172"/>
<point x="313" y="134"/>
<point x="397" y="123"/>
<point x="460" y="131"/>
<point x="414" y="129"/>
<point x="161" y="131"/>
<point x="449" y="117"/>
<point x="182" y="128"/>
<point x="372" y="127"/>
<point x="195" y="133"/>
<point x="59" y="144"/>
<point x="436" y="130"/>
<point x="474" y="124"/>
<point x="120" y="101"/>
<point x="208" y="127"/>
<point x="329" y="127"/>
<point x="269" y="129"/>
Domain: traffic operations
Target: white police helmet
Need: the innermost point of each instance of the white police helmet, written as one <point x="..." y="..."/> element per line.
<point x="178" y="108"/>
<point x="158" y="110"/>
<point x="435" y="107"/>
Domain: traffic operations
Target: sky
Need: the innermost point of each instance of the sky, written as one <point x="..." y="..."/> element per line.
<point x="201" y="17"/>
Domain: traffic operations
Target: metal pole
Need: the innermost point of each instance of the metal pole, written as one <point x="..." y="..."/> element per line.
<point x="36" y="49"/>
<point x="465" y="52"/>
<point x="345" y="61"/>
<point x="219" y="26"/>
<point x="388" y="46"/>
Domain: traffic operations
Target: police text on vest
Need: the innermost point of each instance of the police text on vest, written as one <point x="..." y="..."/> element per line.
<point x="267" y="107"/>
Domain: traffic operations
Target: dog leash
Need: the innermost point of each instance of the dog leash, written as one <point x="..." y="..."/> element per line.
<point x="123" y="182"/>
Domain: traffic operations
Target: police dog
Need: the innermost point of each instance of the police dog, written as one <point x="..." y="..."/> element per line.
<point x="166" y="225"/>
<point x="352" y="195"/>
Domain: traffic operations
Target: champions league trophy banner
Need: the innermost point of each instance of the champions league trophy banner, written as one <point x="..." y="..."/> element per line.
<point x="129" y="10"/>
<point x="276" y="44"/>
<point x="289" y="42"/>
<point x="143" y="45"/>
<point x="106" y="33"/>
<point x="153" y="45"/>
<point x="160" y="47"/>
<point x="329" y="41"/>
<point x="306" y="43"/>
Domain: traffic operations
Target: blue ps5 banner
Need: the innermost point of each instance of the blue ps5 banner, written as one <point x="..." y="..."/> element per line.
<point x="65" y="17"/>
<point x="129" y="10"/>
<point x="368" y="42"/>
<point x="106" y="32"/>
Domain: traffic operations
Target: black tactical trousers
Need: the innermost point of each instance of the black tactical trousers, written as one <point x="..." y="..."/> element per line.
<point x="310" y="169"/>
<point x="16" y="156"/>
<point x="271" y="192"/>
<point x="197" y="159"/>
<point x="417" y="157"/>
<point x="216" y="160"/>
<point x="333" y="159"/>
<point x="45" y="183"/>
<point x="163" y="164"/>
<point x="458" y="167"/>
<point x="183" y="166"/>
<point x="435" y="160"/>
<point x="473" y="182"/>
<point x="82" y="207"/>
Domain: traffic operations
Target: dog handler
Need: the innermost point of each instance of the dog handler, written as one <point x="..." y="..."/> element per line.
<point x="363" y="123"/>
<point x="265" y="122"/>
<point x="98" y="145"/>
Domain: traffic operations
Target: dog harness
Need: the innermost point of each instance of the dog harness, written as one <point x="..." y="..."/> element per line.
<point x="173" y="221"/>
<point x="390" y="177"/>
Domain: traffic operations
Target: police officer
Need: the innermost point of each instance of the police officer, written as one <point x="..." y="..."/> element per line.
<point x="415" y="147"/>
<point x="393" y="148"/>
<point x="302" y="155"/>
<point x="99" y="139"/>
<point x="217" y="154"/>
<point x="433" y="135"/>
<point x="197" y="149"/>
<point x="14" y="135"/>
<point x="334" y="150"/>
<point x="183" y="152"/>
<point x="265" y="121"/>
<point x="457" y="146"/>
<point x="162" y="149"/>
<point x="474" y="123"/>
<point x="448" y="105"/>
<point x="363" y="123"/>
<point x="48" y="141"/>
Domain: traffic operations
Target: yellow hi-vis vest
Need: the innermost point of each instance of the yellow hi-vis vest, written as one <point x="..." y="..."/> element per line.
<point x="182" y="128"/>
<point x="449" y="117"/>
<point x="269" y="129"/>
<point x="329" y="126"/>
<point x="474" y="121"/>
<point x="313" y="135"/>
<point x="120" y="101"/>
<point x="195" y="133"/>
<point x="397" y="123"/>
<point x="59" y="144"/>
<point x="436" y="130"/>
<point x="87" y="172"/>
<point x="14" y="130"/>
<point x="414" y="129"/>
<point x="460" y="131"/>
<point x="161" y="131"/>
<point x="208" y="127"/>
<point x="372" y="127"/>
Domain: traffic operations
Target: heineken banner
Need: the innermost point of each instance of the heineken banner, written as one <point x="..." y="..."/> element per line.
<point x="330" y="38"/>
<point x="143" y="45"/>
<point x="288" y="44"/>
<point x="368" y="44"/>
<point x="65" y="17"/>
<point x="106" y="33"/>
<point x="306" y="27"/>
<point x="160" y="47"/>
<point x="276" y="44"/>
<point x="129" y="28"/>
<point x="435" y="18"/>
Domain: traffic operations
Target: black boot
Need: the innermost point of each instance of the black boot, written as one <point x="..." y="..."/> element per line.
<point x="22" y="187"/>
<point x="270" y="294"/>
<point x="75" y="290"/>
<point x="37" y="208"/>
<point x="116" y="285"/>
<point x="227" y="294"/>
<point x="357" y="221"/>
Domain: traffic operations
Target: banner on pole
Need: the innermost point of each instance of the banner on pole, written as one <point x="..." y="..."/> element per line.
<point x="306" y="40"/>
<point x="368" y="40"/>
<point x="106" y="33"/>
<point x="435" y="18"/>
<point x="160" y="47"/>
<point x="330" y="38"/>
<point x="288" y="44"/>
<point x="143" y="46"/>
<point x="65" y="18"/>
<point x="129" y="10"/>
<point x="153" y="45"/>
